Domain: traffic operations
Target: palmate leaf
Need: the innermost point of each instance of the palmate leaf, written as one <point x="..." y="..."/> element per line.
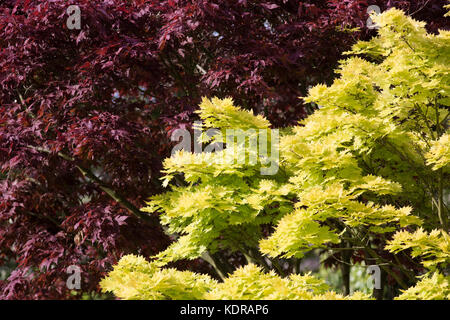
<point x="439" y="154"/>
<point x="136" y="279"/>
<point x="364" y="164"/>
<point x="430" y="287"/>
<point x="432" y="247"/>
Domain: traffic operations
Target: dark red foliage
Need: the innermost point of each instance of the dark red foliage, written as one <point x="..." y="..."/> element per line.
<point x="85" y="114"/>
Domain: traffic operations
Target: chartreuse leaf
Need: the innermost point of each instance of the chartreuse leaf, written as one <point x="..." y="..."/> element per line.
<point x="135" y="278"/>
<point x="373" y="159"/>
<point x="432" y="247"/>
<point x="439" y="154"/>
<point x="430" y="287"/>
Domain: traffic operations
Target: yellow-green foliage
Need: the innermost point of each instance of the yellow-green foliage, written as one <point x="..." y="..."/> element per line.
<point x="251" y="283"/>
<point x="433" y="247"/>
<point x="372" y="160"/>
<point x="430" y="287"/>
<point x="223" y="199"/>
<point x="300" y="231"/>
<point x="135" y="278"/>
<point x="374" y="127"/>
<point x="217" y="113"/>
<point x="439" y="154"/>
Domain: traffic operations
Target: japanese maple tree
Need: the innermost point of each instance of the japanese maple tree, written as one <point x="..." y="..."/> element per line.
<point x="366" y="174"/>
<point x="86" y="114"/>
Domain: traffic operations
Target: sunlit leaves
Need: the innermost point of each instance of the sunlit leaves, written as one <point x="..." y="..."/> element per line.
<point x="135" y="278"/>
<point x="433" y="247"/>
<point x="430" y="287"/>
<point x="355" y="171"/>
<point x="439" y="153"/>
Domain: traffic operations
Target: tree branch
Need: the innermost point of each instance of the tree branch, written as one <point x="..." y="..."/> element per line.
<point x="151" y="220"/>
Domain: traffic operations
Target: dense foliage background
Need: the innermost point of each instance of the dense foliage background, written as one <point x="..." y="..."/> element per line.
<point x="86" y="115"/>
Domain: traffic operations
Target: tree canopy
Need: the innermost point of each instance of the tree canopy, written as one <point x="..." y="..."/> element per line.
<point x="86" y="117"/>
